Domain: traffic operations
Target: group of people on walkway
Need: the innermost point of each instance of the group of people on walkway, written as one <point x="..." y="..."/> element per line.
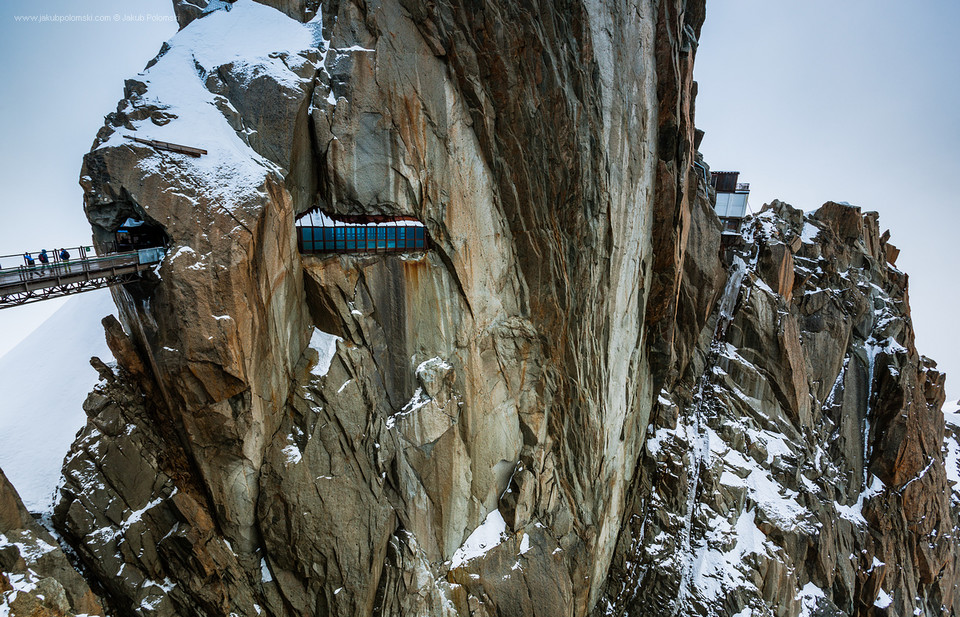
<point x="44" y="258"/>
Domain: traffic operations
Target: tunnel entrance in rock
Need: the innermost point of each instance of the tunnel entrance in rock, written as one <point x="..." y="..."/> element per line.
<point x="134" y="235"/>
<point x="321" y="233"/>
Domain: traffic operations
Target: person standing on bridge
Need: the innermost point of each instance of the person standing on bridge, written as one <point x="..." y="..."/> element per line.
<point x="44" y="260"/>
<point x="65" y="258"/>
<point x="28" y="259"/>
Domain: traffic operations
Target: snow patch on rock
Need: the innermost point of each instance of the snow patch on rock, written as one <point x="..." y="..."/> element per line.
<point x="326" y="347"/>
<point x="491" y="532"/>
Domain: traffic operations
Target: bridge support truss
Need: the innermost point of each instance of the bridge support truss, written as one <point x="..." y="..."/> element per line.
<point x="27" y="296"/>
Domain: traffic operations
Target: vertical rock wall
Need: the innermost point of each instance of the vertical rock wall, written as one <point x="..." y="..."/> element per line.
<point x="499" y="380"/>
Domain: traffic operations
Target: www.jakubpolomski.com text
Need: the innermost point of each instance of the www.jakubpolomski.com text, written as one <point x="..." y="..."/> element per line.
<point x="88" y="18"/>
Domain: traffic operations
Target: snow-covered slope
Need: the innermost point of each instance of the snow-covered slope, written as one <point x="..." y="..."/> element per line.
<point x="258" y="42"/>
<point x="43" y="382"/>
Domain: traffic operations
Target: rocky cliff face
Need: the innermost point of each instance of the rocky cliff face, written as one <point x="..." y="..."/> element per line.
<point x="36" y="578"/>
<point x="799" y="467"/>
<point x="566" y="407"/>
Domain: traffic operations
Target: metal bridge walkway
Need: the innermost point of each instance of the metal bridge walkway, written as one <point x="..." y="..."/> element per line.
<point x="26" y="284"/>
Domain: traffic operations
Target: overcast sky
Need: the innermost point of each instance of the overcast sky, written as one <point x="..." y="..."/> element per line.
<point x="851" y="101"/>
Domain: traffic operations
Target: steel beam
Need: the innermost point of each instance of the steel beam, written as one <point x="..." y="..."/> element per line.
<point x="28" y="294"/>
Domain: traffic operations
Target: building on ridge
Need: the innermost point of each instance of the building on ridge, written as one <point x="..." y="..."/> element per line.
<point x="732" y="199"/>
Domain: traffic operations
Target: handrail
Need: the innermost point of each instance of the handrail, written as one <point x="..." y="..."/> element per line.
<point x="57" y="278"/>
<point x="84" y="263"/>
<point x="703" y="172"/>
<point x="76" y="253"/>
<point x="91" y="265"/>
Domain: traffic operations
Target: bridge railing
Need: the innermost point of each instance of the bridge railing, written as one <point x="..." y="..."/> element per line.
<point x="81" y="259"/>
<point x="19" y="263"/>
<point x="362" y="239"/>
<point x="12" y="262"/>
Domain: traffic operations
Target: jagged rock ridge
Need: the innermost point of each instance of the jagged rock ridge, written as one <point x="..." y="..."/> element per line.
<point x="800" y="470"/>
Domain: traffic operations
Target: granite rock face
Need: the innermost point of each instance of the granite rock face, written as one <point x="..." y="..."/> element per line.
<point x="36" y="578"/>
<point x="558" y="410"/>
<point x="800" y="466"/>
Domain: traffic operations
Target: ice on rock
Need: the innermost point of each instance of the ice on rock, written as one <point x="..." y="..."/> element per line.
<point x="418" y="400"/>
<point x="291" y="452"/>
<point x="854" y="513"/>
<point x="524" y="544"/>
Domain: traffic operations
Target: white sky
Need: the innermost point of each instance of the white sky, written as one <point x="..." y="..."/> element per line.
<point x="852" y="101"/>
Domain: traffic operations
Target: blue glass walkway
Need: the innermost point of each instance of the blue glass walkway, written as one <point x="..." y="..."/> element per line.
<point x="363" y="239"/>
